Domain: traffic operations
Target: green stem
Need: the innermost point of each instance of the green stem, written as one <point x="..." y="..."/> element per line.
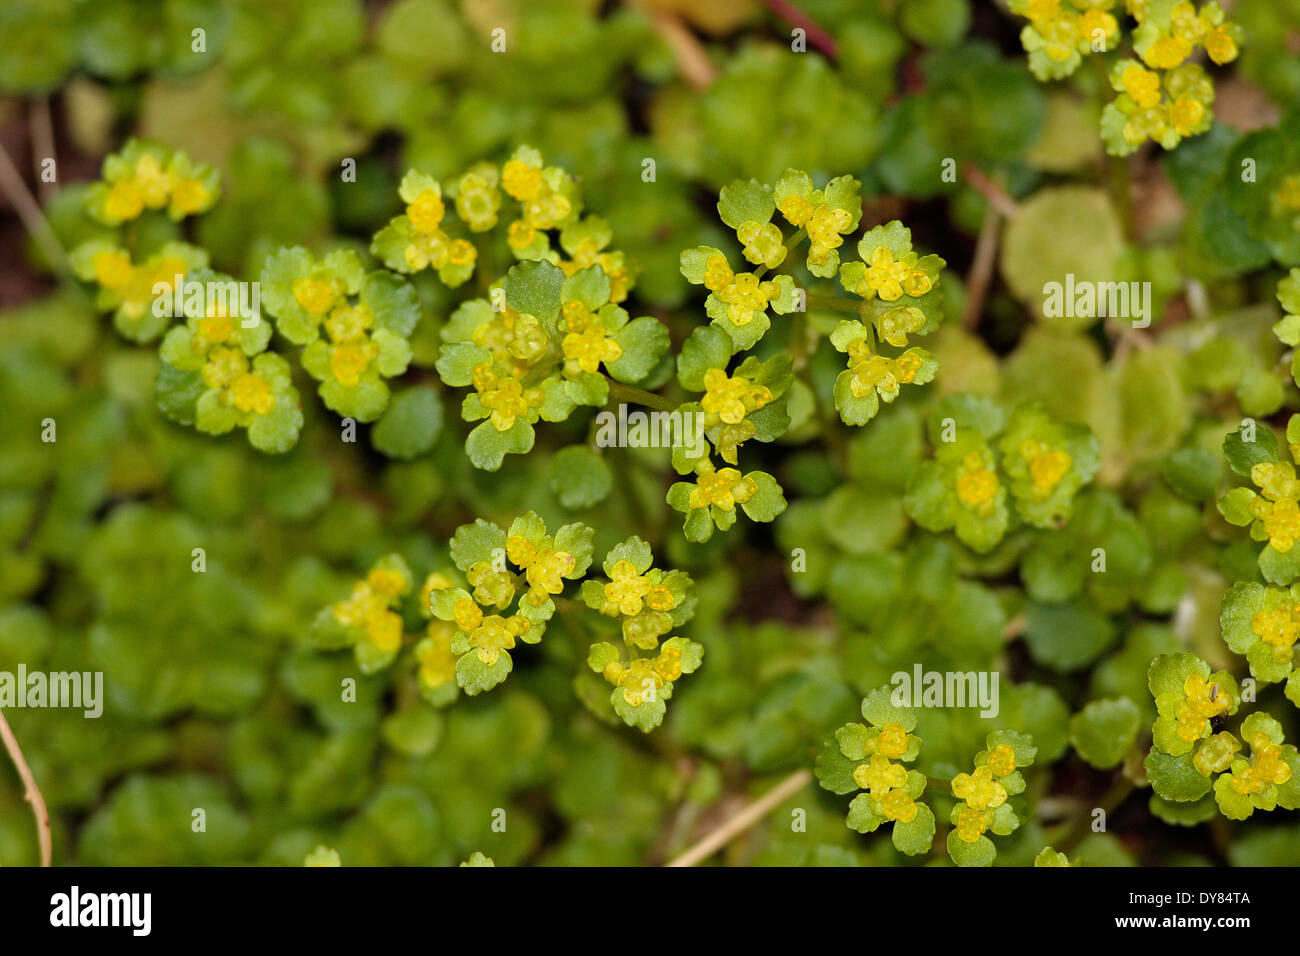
<point x="619" y="392"/>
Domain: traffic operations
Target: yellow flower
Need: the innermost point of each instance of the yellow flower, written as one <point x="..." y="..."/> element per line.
<point x="1142" y="86"/>
<point x="317" y="296"/>
<point x="1220" y="45"/>
<point x="588" y="348"/>
<point x="1202" y="701"/>
<point x="252" y="393"/>
<point x="879" y="775"/>
<point x="1185" y="115"/>
<point x="504" y="396"/>
<point x="153" y="181"/>
<point x="824" y="230"/>
<point x="639" y="681"/>
<point x="796" y="210"/>
<point x="545" y="571"/>
<point x="892" y="741"/>
<point x="389" y="582"/>
<point x="437" y="662"/>
<point x="124" y="200"/>
<point x="1279" y="628"/>
<point x="898" y="805"/>
<point x="668" y="665"/>
<point x="979" y="790"/>
<point x="426" y="212"/>
<point x="190" y="196"/>
<point x="1282" y="525"/>
<point x="1002" y="760"/>
<point x="348" y="323"/>
<point x="977" y="484"/>
<point x="724" y="488"/>
<point x="496" y="634"/>
<point x="212" y="330"/>
<point x="746" y="296"/>
<point x="732" y="398"/>
<point x="763" y="243"/>
<point x="521" y="181"/>
<point x="1047" y="466"/>
<point x="971" y="823"/>
<point x="885" y="274"/>
<point x="385" y="631"/>
<point x="113" y="270"/>
<point x="349" y="361"/>
<point x="223" y="366"/>
<point x="626" y="591"/>
<point x="1167" y="52"/>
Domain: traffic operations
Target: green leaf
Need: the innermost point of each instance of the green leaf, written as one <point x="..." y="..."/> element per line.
<point x="1175" y="778"/>
<point x="487" y="447"/>
<point x="1104" y="730"/>
<point x="534" y="288"/>
<point x="980" y="853"/>
<point x="1243" y="455"/>
<point x="579" y="477"/>
<point x="411" y="424"/>
<point x="741" y="202"/>
<point x="915" y="837"/>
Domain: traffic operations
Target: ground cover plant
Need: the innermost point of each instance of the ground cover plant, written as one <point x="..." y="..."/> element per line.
<point x="576" y="433"/>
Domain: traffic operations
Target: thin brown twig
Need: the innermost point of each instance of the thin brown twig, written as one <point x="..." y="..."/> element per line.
<point x="29" y="211"/>
<point x="817" y="36"/>
<point x="33" y="794"/>
<point x="744" y="819"/>
<point x="42" y="127"/>
<point x="997" y="197"/>
<point x="981" y="269"/>
<point x="692" y="59"/>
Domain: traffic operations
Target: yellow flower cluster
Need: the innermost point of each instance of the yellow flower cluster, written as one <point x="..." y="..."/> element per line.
<point x="628" y="592"/>
<point x="488" y="634"/>
<point x="744" y="294"/>
<point x="429" y="245"/>
<point x="542" y="206"/>
<point x="1276" y="508"/>
<point x="825" y="224"/>
<point x="890" y="279"/>
<point x="645" y="678"/>
<point x="133" y="285"/>
<point x="982" y="792"/>
<point x="437" y="664"/>
<point x="154" y="181"/>
<point x="1202" y="701"/>
<point x="544" y="567"/>
<point x="880" y="374"/>
<point x="369" y="607"/>
<point x="504" y="396"/>
<point x="885" y="778"/>
<point x="731" y="398"/>
<point x="585" y="344"/>
<point x="723" y="487"/>
<point x="1267" y="767"/>
<point x="1047" y="466"/>
<point x="977" y="483"/>
<point x="1279" y="628"/>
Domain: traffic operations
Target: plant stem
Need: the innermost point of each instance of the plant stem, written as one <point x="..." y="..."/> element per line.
<point x="29" y="211"/>
<point x="618" y="391"/>
<point x="743" y="820"/>
<point x="818" y="37"/>
<point x="33" y="794"/>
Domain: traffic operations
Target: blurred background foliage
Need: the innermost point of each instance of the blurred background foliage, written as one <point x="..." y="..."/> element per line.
<point x="216" y="699"/>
